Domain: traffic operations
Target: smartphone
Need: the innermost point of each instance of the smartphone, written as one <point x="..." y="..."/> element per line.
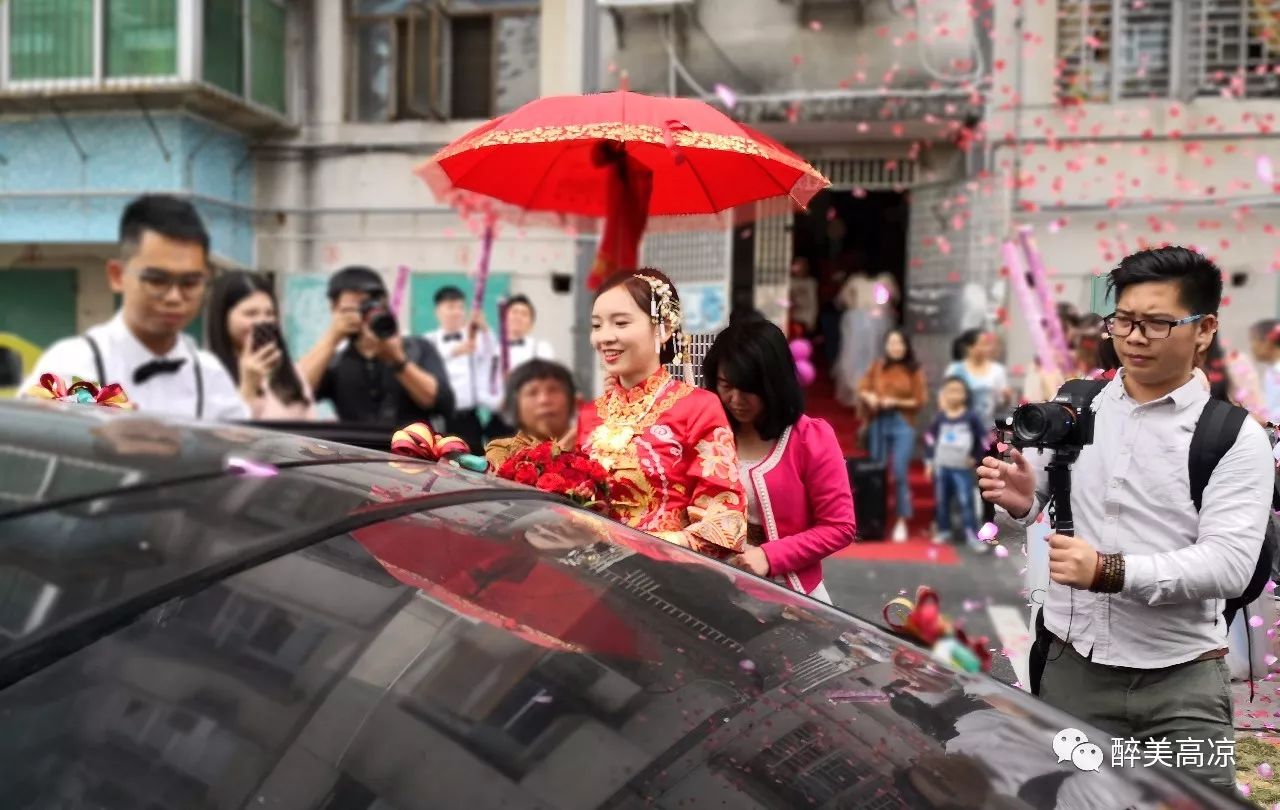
<point x="265" y="333"/>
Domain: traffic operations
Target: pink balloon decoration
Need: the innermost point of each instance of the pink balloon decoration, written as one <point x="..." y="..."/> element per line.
<point x="801" y="349"/>
<point x="805" y="372"/>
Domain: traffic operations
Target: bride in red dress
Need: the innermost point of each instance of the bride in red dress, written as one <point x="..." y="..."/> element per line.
<point x="668" y="443"/>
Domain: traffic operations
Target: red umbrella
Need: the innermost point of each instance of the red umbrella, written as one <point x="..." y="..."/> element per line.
<point x="503" y="584"/>
<point x="624" y="156"/>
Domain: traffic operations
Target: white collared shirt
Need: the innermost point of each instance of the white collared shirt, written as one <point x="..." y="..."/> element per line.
<point x="526" y="349"/>
<point x="472" y="376"/>
<point x="122" y="353"/>
<point x="1131" y="495"/>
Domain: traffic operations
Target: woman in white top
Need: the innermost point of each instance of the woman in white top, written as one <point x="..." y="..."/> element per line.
<point x="244" y="333"/>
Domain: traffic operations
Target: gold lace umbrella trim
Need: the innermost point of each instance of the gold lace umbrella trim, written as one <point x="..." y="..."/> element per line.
<point x="808" y="182"/>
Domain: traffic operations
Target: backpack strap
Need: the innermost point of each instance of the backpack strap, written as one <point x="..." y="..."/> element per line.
<point x="1216" y="431"/>
<point x="97" y="359"/>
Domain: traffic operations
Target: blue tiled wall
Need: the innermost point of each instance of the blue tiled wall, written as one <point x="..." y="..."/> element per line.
<point x="122" y="157"/>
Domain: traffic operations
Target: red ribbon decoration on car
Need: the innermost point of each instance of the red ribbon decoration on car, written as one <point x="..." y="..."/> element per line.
<point x="52" y="387"/>
<point x="420" y="441"/>
<point x="926" y="623"/>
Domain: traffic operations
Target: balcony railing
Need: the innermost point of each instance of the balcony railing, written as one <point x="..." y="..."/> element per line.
<point x="234" y="48"/>
<point x="1122" y="49"/>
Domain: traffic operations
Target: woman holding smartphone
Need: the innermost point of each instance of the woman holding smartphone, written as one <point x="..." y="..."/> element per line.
<point x="244" y="333"/>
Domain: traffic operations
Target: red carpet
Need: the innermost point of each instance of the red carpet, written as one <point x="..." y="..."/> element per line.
<point x="912" y="551"/>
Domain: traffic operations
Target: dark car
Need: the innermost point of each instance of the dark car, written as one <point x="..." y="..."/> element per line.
<point x="218" y="617"/>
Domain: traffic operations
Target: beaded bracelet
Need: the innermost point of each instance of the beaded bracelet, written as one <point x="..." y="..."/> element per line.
<point x="1109" y="575"/>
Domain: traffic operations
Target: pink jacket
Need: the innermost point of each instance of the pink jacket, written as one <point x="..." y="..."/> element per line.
<point x="805" y="502"/>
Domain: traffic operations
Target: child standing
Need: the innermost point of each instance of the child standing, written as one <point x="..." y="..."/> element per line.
<point x="953" y="448"/>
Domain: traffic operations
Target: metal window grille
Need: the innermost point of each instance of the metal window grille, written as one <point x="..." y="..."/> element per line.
<point x="1084" y="50"/>
<point x="773" y="246"/>
<point x="872" y="174"/>
<point x="699" y="263"/>
<point x="1233" y="47"/>
<point x="1112" y="49"/>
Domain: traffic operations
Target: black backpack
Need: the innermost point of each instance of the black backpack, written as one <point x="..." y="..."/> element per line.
<point x="1216" y="431"/>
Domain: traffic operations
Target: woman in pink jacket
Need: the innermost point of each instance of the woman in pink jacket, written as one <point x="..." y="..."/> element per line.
<point x="799" y="505"/>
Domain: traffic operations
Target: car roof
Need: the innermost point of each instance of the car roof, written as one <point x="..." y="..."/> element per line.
<point x="339" y="634"/>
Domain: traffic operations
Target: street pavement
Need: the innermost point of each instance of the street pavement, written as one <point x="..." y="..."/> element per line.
<point x="981" y="592"/>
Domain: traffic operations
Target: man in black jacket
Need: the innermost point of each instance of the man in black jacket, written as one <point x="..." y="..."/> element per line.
<point x="372" y="377"/>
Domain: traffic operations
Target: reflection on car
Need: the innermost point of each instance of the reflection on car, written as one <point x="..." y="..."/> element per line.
<point x="355" y="632"/>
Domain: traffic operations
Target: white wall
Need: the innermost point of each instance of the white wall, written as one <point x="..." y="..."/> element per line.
<point x="1100" y="181"/>
<point x="324" y="210"/>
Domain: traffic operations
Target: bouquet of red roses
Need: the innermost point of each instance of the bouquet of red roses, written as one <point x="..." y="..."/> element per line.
<point x="571" y="473"/>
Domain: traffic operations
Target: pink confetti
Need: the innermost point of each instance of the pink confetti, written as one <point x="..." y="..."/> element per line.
<point x="1265" y="770"/>
<point x="1265" y="171"/>
<point x="1270" y="587"/>
<point x="1270" y="659"/>
<point x="747" y="665"/>
<point x="1255" y="621"/>
<point x="881" y="294"/>
<point x="1243" y="788"/>
<point x="249" y="468"/>
<point x="815" y="25"/>
<point x="1001" y="552"/>
<point x="988" y="532"/>
<point x="726" y="95"/>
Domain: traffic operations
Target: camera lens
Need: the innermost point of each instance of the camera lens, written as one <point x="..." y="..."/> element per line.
<point x="1043" y="423"/>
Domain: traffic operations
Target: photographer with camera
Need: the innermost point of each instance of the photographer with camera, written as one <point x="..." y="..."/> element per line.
<point x="363" y="365"/>
<point x="1171" y="498"/>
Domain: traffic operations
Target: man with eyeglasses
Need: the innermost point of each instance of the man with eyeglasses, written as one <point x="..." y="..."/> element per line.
<point x="1133" y="637"/>
<point x="161" y="277"/>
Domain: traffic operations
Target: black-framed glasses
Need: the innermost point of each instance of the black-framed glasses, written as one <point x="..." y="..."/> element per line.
<point x="157" y="283"/>
<point x="1151" y="328"/>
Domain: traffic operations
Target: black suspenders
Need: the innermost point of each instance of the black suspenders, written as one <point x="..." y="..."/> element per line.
<point x="195" y="360"/>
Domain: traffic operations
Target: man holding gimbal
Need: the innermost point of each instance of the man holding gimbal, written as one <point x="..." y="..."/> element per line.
<point x="1133" y="637"/>
<point x="364" y="366"/>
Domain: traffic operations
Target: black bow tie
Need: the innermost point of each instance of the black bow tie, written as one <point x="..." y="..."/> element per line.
<point x="452" y="336"/>
<point x="153" y="368"/>
<point x="519" y="342"/>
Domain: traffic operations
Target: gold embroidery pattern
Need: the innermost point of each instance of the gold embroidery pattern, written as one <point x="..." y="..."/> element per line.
<point x="636" y="133"/>
<point x="625" y="415"/>
<point x="499" y="450"/>
<point x="718" y="456"/>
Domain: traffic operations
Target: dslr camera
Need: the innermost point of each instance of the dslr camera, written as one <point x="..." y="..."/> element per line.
<point x="377" y="316"/>
<point x="1063" y="424"/>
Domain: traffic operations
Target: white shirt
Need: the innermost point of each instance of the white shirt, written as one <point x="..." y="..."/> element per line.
<point x="474" y="377"/>
<point x="526" y="349"/>
<point x="169" y="394"/>
<point x="1131" y="495"/>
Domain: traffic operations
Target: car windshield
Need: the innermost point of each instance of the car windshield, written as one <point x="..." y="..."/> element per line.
<point x="508" y="653"/>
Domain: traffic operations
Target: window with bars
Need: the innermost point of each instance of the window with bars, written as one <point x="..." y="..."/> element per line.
<point x="441" y="59"/>
<point x="91" y="40"/>
<point x="1234" y="47"/>
<point x="1119" y="49"/>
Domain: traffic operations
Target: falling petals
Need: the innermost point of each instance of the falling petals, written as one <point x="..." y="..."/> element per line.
<point x="1255" y="621"/>
<point x="988" y="532"/>
<point x="1270" y="659"/>
<point x="1001" y="552"/>
<point x="726" y="95"/>
<point x="250" y="468"/>
<point x="1265" y="770"/>
<point x="1266" y="173"/>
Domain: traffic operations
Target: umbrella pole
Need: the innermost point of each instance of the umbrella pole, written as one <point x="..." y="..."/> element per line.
<point x="482" y="270"/>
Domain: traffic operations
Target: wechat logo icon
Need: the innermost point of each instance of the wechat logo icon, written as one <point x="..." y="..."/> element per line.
<point x="1071" y="745"/>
